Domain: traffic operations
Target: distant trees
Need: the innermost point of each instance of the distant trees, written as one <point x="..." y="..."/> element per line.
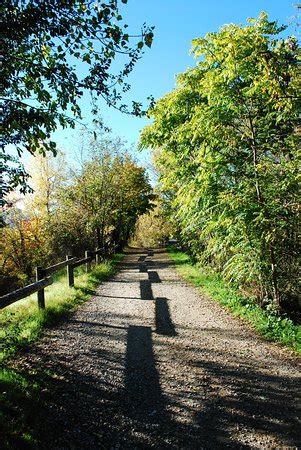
<point x="23" y="246"/>
<point x="53" y="53"/>
<point x="102" y="201"/>
<point x="152" y="228"/>
<point x="72" y="209"/>
<point x="226" y="145"/>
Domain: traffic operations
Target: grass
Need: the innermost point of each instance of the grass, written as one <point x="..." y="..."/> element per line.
<point x="22" y="323"/>
<point x="18" y="398"/>
<point x="24" y="393"/>
<point x="270" y="325"/>
<point x="24" y="400"/>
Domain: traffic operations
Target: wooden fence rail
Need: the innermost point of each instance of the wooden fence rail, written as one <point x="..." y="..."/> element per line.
<point x="13" y="297"/>
<point x="43" y="280"/>
<point x="60" y="265"/>
<point x="82" y="261"/>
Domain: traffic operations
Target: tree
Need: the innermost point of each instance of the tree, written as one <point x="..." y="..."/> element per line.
<point x="228" y="144"/>
<point x="133" y="196"/>
<point x="102" y="200"/>
<point x="47" y="174"/>
<point x="73" y="209"/>
<point x="55" y="51"/>
<point x="27" y="236"/>
<point x="24" y="245"/>
<point x="152" y="228"/>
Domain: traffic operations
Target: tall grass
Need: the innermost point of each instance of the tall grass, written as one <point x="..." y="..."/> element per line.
<point x="268" y="323"/>
<point x="22" y="322"/>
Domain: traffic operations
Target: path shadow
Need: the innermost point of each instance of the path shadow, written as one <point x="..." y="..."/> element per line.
<point x="103" y="398"/>
<point x="89" y="324"/>
<point x="164" y="324"/>
<point x="164" y="264"/>
<point x="143" y="396"/>
<point x="128" y="265"/>
<point x="142" y="268"/>
<point x="116" y="296"/>
<point x="146" y="292"/>
<point x="259" y="404"/>
<point x="135" y="251"/>
<point x="97" y="385"/>
<point x="153" y="277"/>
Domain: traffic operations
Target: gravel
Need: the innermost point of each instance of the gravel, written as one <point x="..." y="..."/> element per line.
<point x="148" y="362"/>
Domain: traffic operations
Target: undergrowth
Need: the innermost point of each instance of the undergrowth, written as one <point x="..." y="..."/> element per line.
<point x="269" y="324"/>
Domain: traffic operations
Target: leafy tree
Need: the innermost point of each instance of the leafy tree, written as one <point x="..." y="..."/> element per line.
<point x="27" y="237"/>
<point x="228" y="140"/>
<point x="48" y="174"/>
<point x="152" y="228"/>
<point x="133" y="196"/>
<point x="55" y="51"/>
<point x="72" y="209"/>
<point x="100" y="203"/>
<point x="24" y="245"/>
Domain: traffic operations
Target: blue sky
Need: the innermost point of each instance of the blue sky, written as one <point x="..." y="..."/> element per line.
<point x="176" y="23"/>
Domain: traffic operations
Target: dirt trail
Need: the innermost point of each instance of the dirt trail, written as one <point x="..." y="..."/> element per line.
<point x="150" y="363"/>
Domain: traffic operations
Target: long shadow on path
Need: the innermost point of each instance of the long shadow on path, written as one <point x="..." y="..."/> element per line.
<point x="143" y="395"/>
<point x="146" y="292"/>
<point x="164" y="324"/>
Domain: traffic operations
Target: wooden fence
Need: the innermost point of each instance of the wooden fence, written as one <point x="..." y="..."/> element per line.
<point x="43" y="279"/>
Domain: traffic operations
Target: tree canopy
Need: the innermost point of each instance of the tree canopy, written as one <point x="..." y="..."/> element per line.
<point x="226" y="143"/>
<point x="73" y="208"/>
<point x="55" y="51"/>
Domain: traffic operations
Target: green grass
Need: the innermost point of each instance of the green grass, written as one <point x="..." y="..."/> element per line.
<point x="18" y="398"/>
<point x="24" y="400"/>
<point x="270" y="325"/>
<point x="22" y="322"/>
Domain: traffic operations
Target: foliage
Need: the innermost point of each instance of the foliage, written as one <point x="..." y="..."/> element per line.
<point x="47" y="174"/>
<point x="226" y="142"/>
<point x="26" y="239"/>
<point x="269" y="324"/>
<point x="55" y="52"/>
<point x="24" y="245"/>
<point x="152" y="229"/>
<point x="102" y="201"/>
<point x="73" y="209"/>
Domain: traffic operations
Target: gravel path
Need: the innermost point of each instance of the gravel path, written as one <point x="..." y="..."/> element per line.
<point x="150" y="363"/>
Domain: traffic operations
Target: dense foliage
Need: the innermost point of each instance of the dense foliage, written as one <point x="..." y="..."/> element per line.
<point x="95" y="204"/>
<point x="152" y="229"/>
<point x="226" y="143"/>
<point x="54" y="52"/>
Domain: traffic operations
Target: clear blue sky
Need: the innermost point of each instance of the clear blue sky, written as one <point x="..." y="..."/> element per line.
<point x="176" y="23"/>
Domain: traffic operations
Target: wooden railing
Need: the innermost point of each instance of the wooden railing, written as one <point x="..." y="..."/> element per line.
<point x="43" y="279"/>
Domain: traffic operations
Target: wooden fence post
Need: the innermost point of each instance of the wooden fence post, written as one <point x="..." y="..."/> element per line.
<point x="70" y="273"/>
<point x="40" y="274"/>
<point x="97" y="256"/>
<point x="88" y="264"/>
